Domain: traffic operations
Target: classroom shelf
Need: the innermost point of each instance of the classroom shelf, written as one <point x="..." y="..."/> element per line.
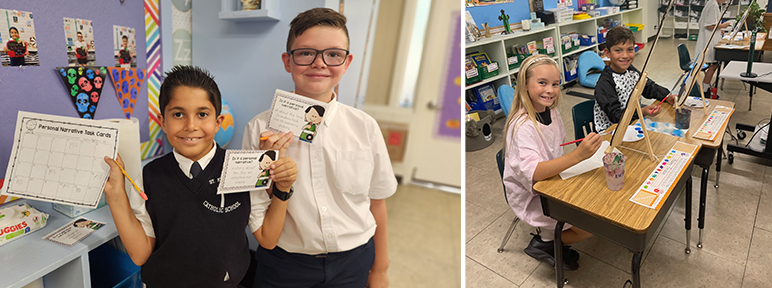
<point x="31" y="257"/>
<point x="230" y="11"/>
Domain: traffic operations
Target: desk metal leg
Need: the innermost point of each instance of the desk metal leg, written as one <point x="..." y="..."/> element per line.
<point x="688" y="212"/>
<point x="703" y="195"/>
<point x="750" y="98"/>
<point x="718" y="162"/>
<point x="637" y="269"/>
<point x="559" y="255"/>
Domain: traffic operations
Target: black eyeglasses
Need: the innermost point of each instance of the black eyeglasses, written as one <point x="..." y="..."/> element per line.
<point x="330" y="56"/>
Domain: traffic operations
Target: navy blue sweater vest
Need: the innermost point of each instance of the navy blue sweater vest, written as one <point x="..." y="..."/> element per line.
<point x="198" y="243"/>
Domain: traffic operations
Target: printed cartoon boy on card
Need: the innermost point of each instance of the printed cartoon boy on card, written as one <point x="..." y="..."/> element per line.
<point x="297" y="114"/>
<point x="263" y="179"/>
<point x="314" y="116"/>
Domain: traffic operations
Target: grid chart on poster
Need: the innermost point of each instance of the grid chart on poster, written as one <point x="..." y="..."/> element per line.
<point x="712" y="125"/>
<point x="59" y="161"/>
<point x="663" y="178"/>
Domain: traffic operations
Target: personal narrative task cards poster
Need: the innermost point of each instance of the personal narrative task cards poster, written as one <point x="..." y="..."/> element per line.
<point x="60" y="159"/>
<point x="299" y="114"/>
<point x="246" y="170"/>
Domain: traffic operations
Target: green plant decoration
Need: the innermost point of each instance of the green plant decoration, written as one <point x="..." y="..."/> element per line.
<point x="754" y="17"/>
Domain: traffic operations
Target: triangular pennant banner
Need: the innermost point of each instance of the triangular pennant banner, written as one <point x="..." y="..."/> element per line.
<point x="84" y="86"/>
<point x="127" y="83"/>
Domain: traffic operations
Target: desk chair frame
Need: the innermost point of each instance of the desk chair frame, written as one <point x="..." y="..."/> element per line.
<point x="500" y="162"/>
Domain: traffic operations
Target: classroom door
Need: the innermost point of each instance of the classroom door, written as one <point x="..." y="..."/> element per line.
<point x="437" y="157"/>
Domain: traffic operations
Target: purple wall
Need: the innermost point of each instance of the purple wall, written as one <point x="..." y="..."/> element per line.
<point x="39" y="88"/>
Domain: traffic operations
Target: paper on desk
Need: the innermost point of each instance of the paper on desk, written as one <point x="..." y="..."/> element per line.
<point x="589" y="164"/>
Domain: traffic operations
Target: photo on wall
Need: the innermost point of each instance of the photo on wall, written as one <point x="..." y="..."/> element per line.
<point x="79" y="35"/>
<point x="124" y="45"/>
<point x="17" y="35"/>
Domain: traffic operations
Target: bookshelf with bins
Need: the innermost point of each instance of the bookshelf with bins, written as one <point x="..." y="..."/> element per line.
<point x="684" y="17"/>
<point x="497" y="47"/>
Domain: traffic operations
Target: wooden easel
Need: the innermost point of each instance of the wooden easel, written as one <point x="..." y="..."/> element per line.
<point x="697" y="71"/>
<point x="633" y="103"/>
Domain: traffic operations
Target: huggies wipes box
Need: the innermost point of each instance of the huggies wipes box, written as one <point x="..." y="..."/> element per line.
<point x="20" y="220"/>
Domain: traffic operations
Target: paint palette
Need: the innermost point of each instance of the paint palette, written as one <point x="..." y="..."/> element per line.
<point x="633" y="133"/>
<point x="695" y="102"/>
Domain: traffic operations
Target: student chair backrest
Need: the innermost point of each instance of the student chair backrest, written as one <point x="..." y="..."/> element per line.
<point x="506" y="95"/>
<point x="500" y="162"/>
<point x="583" y="117"/>
<point x="684" y="60"/>
<point x="587" y="61"/>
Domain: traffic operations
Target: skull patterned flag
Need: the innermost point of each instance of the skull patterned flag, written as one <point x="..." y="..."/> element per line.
<point x="127" y="82"/>
<point x="84" y="85"/>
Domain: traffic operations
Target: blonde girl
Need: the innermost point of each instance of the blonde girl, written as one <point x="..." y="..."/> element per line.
<point x="533" y="134"/>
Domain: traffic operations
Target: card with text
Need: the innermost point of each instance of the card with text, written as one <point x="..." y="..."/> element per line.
<point x="74" y="231"/>
<point x="299" y="114"/>
<point x="246" y="170"/>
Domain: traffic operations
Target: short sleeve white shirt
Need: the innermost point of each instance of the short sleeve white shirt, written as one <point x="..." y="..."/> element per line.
<point x="346" y="165"/>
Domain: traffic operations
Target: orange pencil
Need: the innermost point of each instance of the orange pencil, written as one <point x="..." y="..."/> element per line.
<point x="141" y="194"/>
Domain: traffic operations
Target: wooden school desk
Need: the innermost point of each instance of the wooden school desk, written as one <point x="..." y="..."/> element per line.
<point x="723" y="54"/>
<point x="705" y="156"/>
<point x="763" y="81"/>
<point x="586" y="202"/>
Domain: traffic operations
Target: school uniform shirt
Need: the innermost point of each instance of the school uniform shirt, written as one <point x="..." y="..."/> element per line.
<point x="346" y="165"/>
<point x="711" y="14"/>
<point x="140" y="210"/>
<point x="612" y="92"/>
<point x="525" y="148"/>
<point x="200" y="239"/>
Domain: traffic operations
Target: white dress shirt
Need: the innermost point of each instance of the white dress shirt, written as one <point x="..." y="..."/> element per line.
<point x="258" y="198"/>
<point x="346" y="165"/>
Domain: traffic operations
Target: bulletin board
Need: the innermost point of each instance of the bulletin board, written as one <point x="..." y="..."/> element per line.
<point x="40" y="89"/>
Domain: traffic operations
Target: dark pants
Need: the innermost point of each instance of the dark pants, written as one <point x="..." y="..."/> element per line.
<point x="17" y="61"/>
<point x="279" y="268"/>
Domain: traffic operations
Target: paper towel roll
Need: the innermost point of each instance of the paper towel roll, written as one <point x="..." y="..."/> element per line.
<point x="128" y="148"/>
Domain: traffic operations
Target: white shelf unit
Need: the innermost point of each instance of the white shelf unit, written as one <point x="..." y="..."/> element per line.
<point x="498" y="46"/>
<point x="688" y="20"/>
<point x="31" y="257"/>
<point x="231" y="10"/>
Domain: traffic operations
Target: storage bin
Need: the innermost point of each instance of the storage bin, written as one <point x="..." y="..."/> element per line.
<point x="589" y="41"/>
<point x="473" y="76"/>
<point x="513" y="61"/>
<point x="490" y="70"/>
<point x="112" y="268"/>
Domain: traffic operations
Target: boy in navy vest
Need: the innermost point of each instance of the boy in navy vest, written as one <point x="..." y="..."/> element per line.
<point x="335" y="233"/>
<point x="185" y="235"/>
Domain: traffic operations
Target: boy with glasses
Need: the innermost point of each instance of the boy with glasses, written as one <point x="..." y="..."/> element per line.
<point x="335" y="231"/>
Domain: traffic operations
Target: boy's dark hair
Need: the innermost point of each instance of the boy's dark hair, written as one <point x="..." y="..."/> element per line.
<point x="271" y="154"/>
<point x="193" y="77"/>
<point x="619" y="35"/>
<point x="319" y="109"/>
<point x="125" y="37"/>
<point x="79" y="33"/>
<point x="316" y="17"/>
<point x="17" y="30"/>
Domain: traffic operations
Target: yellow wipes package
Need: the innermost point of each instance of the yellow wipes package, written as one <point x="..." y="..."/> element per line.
<point x="20" y="220"/>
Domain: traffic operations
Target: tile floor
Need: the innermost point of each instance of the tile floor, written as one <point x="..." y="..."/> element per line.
<point x="738" y="232"/>
<point x="424" y="238"/>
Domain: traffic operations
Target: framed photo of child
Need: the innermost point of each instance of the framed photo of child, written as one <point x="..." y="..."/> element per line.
<point x="301" y="115"/>
<point x="245" y="170"/>
<point x="17" y="35"/>
<point x="79" y="36"/>
<point x="124" y="47"/>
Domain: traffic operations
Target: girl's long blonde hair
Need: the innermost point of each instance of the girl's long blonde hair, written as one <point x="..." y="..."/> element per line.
<point x="522" y="108"/>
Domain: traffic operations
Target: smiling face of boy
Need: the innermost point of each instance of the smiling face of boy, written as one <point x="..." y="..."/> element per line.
<point x="190" y="122"/>
<point x="317" y="80"/>
<point x="621" y="55"/>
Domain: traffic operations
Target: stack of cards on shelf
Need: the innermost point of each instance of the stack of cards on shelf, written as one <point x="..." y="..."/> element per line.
<point x="74" y="231"/>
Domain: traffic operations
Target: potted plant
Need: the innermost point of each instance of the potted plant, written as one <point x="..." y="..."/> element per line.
<point x="754" y="20"/>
